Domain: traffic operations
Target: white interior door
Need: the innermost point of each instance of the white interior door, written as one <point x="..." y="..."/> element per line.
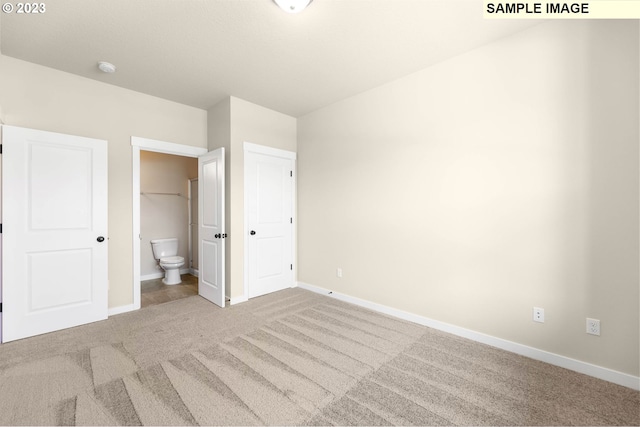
<point x="269" y="185"/>
<point x="211" y="226"/>
<point x="54" y="263"/>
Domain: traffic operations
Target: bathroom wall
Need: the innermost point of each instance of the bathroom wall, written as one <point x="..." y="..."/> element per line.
<point x="194" y="225"/>
<point x="163" y="216"/>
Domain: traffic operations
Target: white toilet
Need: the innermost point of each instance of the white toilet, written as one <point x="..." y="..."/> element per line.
<point x="166" y="251"/>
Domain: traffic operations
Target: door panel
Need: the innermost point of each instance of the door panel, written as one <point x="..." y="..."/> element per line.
<point x="54" y="270"/>
<point x="211" y="280"/>
<point x="270" y="193"/>
<point x="269" y="198"/>
<point x="271" y="252"/>
<point x="59" y="208"/>
<point x="72" y="291"/>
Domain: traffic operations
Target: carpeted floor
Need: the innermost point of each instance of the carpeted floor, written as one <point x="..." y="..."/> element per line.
<point x="289" y="358"/>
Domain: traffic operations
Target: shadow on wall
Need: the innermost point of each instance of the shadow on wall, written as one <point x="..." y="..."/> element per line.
<point x="164" y="205"/>
<point x="499" y="180"/>
<point x="613" y="183"/>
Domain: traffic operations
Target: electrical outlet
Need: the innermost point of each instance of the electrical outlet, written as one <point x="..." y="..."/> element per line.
<point x="593" y="326"/>
<point x="538" y="314"/>
<point x="339" y="272"/>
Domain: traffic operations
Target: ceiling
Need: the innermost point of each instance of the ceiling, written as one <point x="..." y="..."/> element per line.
<point x="197" y="52"/>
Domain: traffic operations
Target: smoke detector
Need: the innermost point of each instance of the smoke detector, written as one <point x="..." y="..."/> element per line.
<point x="106" y="67"/>
<point x="292" y="6"/>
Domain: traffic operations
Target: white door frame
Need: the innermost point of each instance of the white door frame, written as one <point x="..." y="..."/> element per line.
<point x="249" y="147"/>
<point x="143" y="144"/>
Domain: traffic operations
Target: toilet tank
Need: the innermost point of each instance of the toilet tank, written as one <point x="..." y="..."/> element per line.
<point x="164" y="247"/>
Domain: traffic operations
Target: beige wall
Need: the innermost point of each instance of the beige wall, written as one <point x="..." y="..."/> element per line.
<point x="37" y="97"/>
<point x="499" y="180"/>
<point x="258" y="125"/>
<point x="233" y="122"/>
<point x="162" y="215"/>
<point x="219" y="135"/>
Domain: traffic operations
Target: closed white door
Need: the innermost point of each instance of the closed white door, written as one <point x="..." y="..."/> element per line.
<point x="269" y="184"/>
<point x="54" y="264"/>
<point x="211" y="226"/>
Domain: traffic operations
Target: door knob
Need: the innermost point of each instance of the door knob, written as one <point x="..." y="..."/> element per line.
<point x="217" y="236"/>
<point x="252" y="233"/>
<point x="100" y="239"/>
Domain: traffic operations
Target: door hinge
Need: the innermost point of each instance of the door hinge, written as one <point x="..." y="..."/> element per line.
<point x="0" y="148"/>
<point x="0" y="228"/>
<point x="290" y="220"/>
<point x="0" y="307"/>
<point x="291" y="266"/>
<point x="291" y="174"/>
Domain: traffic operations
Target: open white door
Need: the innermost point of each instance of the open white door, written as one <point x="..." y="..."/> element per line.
<point x="269" y="185"/>
<point x="211" y="226"/>
<point x="54" y="264"/>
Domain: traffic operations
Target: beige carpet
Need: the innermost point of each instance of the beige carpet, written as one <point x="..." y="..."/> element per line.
<point x="289" y="358"/>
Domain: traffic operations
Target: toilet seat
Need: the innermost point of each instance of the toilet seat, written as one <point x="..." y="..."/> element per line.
<point x="172" y="260"/>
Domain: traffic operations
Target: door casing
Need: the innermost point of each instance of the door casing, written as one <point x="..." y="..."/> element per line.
<point x="143" y="144"/>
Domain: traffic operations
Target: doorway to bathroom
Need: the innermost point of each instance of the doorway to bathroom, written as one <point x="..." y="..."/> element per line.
<point x="167" y="210"/>
<point x="210" y="217"/>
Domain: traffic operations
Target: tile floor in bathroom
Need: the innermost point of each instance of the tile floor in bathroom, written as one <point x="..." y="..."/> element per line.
<point x="154" y="292"/>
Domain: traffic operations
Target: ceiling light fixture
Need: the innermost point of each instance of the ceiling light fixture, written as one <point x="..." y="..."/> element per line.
<point x="106" y="67"/>
<point x="293" y="6"/>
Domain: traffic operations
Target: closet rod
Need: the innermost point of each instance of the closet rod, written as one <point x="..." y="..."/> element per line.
<point x="144" y="193"/>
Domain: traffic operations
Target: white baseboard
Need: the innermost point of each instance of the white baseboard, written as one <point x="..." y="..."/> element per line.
<point x="152" y="276"/>
<point x="160" y="274"/>
<point x="244" y="298"/>
<point x="194" y="272"/>
<point x="122" y="309"/>
<point x="531" y="352"/>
